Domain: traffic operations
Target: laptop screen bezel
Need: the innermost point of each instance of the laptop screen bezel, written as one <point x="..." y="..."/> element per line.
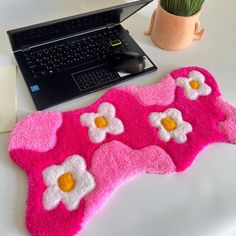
<point x="14" y="33"/>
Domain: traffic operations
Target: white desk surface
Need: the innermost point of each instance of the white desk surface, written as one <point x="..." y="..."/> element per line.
<point x="198" y="202"/>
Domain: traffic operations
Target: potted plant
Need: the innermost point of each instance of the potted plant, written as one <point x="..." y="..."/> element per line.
<point x="175" y="23"/>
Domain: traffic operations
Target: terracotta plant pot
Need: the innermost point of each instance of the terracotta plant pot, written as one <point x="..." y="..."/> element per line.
<point x="172" y="32"/>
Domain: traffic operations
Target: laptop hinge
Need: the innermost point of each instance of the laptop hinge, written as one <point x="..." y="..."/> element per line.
<point x="112" y="25"/>
<point x="25" y="48"/>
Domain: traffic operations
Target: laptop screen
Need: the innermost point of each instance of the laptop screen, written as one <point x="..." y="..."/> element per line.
<point x="52" y="30"/>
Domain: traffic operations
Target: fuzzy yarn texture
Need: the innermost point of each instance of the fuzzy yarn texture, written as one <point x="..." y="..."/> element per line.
<point x="82" y="156"/>
<point x="40" y="126"/>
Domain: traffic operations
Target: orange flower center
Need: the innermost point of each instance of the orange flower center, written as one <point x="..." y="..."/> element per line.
<point x="66" y="182"/>
<point x="168" y="123"/>
<point x="101" y="122"/>
<point x="194" y="84"/>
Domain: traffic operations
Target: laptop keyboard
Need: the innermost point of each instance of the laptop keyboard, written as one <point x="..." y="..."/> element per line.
<point x="95" y="77"/>
<point x="69" y="53"/>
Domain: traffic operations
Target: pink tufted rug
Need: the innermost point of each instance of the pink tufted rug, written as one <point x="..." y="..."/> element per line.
<point x="75" y="160"/>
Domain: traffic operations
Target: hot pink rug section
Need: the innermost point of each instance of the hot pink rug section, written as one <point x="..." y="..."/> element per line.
<point x="132" y="144"/>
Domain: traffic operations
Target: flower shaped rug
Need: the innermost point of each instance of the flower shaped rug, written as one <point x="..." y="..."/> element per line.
<point x="75" y="160"/>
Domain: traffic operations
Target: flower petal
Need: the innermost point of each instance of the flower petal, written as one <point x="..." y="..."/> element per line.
<point x="164" y="134"/>
<point x="75" y="164"/>
<point x="181" y="81"/>
<point x="51" y="174"/>
<point x="182" y="138"/>
<point x="107" y="109"/>
<point x="185" y="127"/>
<point x="71" y="200"/>
<point x="180" y="133"/>
<point x="196" y="75"/>
<point x="86" y="185"/>
<point x="175" y="114"/>
<point x="192" y="94"/>
<point x="87" y="119"/>
<point x="204" y="90"/>
<point x="51" y="198"/>
<point x="155" y="118"/>
<point x="115" y="126"/>
<point x="97" y="135"/>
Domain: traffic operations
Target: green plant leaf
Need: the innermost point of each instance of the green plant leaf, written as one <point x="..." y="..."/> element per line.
<point x="182" y="7"/>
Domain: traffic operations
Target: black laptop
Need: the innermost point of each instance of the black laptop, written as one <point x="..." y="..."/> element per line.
<point x="68" y="58"/>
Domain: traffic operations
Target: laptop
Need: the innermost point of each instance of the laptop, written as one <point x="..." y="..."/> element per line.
<point x="67" y="58"/>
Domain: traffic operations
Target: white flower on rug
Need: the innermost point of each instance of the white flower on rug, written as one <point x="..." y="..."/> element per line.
<point x="67" y="183"/>
<point x="194" y="86"/>
<point x="170" y="125"/>
<point x="102" y="122"/>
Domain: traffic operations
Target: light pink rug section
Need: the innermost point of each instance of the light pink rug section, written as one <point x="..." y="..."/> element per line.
<point x="115" y="163"/>
<point x="162" y="93"/>
<point x="36" y="132"/>
<point x="228" y="127"/>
